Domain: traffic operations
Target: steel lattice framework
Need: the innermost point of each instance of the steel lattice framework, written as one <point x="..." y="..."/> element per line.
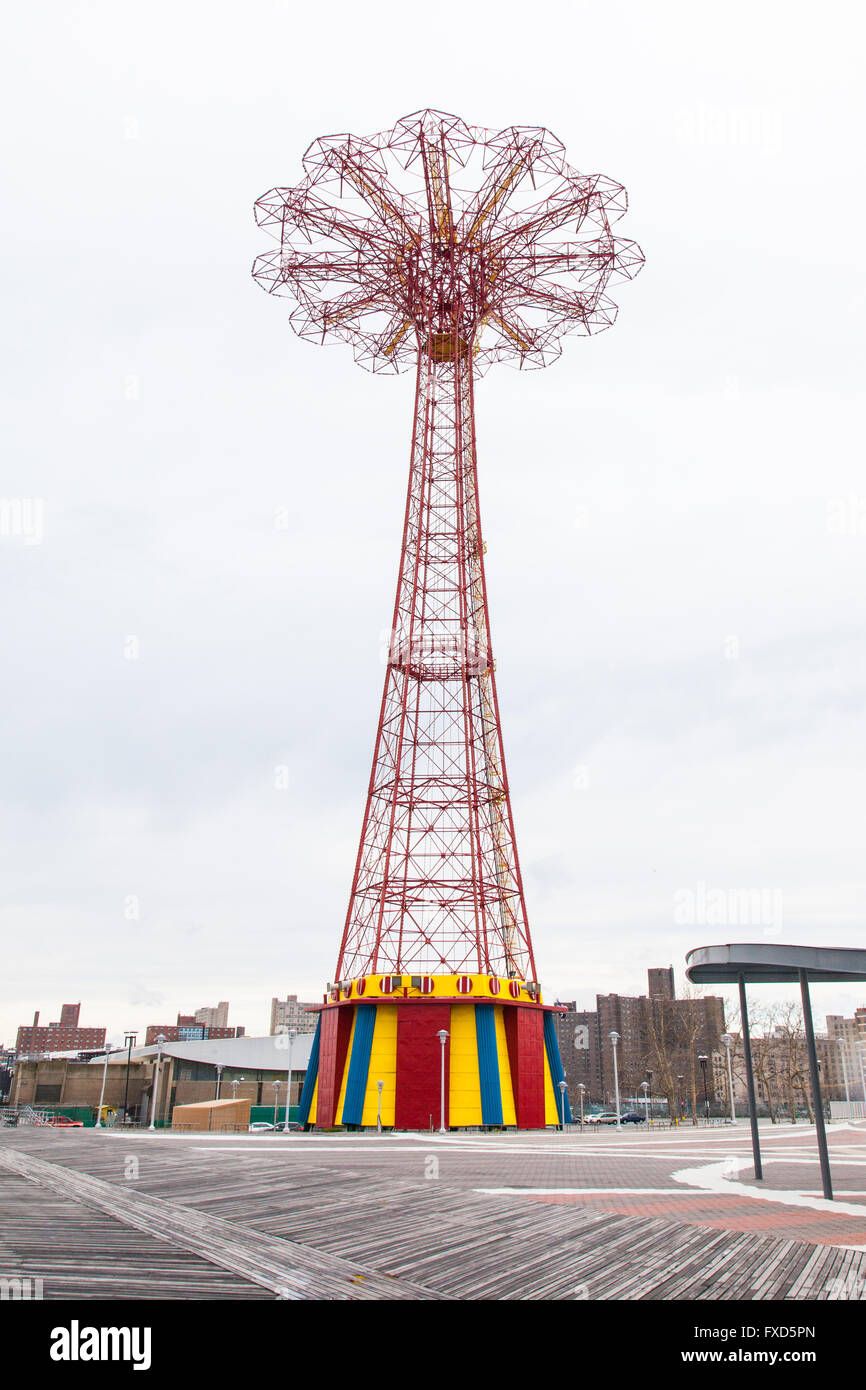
<point x="444" y="247"/>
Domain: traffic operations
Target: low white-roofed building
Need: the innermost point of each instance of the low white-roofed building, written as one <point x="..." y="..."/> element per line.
<point x="245" y="1068"/>
<point x="265" y="1054"/>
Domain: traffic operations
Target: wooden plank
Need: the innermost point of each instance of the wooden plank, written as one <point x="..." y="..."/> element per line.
<point x="290" y="1271"/>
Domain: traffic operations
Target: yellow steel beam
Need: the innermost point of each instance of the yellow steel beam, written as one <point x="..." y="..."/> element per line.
<point x="500" y="323"/>
<point x="398" y="337"/>
<point x="496" y="196"/>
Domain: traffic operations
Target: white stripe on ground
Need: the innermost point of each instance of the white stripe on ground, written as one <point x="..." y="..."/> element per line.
<point x="715" y="1177"/>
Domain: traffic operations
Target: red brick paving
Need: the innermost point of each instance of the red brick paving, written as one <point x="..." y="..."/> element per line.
<point x="724" y="1213"/>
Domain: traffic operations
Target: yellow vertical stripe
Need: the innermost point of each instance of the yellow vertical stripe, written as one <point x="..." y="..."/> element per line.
<point x="509" y="1114"/>
<point x="383" y="1067"/>
<point x="338" y="1117"/>
<point x="464" y="1090"/>
<point x="311" y="1118"/>
<point x="551" y="1105"/>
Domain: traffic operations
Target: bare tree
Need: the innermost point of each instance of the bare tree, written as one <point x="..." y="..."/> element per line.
<point x="790" y="1035"/>
<point x="660" y="1052"/>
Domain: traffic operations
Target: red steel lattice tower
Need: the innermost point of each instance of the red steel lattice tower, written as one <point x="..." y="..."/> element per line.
<point x="442" y="247"/>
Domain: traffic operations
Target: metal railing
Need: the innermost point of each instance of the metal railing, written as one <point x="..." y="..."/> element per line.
<point x="12" y="1115"/>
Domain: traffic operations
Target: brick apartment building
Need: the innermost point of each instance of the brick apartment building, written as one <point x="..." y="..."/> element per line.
<point x="198" y="1027"/>
<point x="659" y="1035"/>
<point x="63" y="1036"/>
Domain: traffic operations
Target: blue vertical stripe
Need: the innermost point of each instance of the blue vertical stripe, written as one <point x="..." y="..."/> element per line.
<point x="311" y="1077"/>
<point x="359" y="1064"/>
<point x="554" y="1061"/>
<point x="488" y="1065"/>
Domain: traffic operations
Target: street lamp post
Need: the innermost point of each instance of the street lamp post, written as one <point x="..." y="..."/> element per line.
<point x="443" y="1036"/>
<point x="237" y="1081"/>
<point x="291" y="1039"/>
<point x="129" y="1043"/>
<point x="841" y="1042"/>
<point x="380" y="1086"/>
<point x="582" y="1090"/>
<point x="703" y="1059"/>
<point x="728" y="1041"/>
<point x="219" y="1072"/>
<point x="159" y="1045"/>
<point x="614" y="1039"/>
<point x="98" y="1124"/>
<point x="277" y="1084"/>
<point x="645" y="1089"/>
<point x="562" y="1090"/>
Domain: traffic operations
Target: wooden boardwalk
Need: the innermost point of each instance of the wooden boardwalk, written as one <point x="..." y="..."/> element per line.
<point x="285" y="1223"/>
<point x="287" y="1270"/>
<point x="79" y="1253"/>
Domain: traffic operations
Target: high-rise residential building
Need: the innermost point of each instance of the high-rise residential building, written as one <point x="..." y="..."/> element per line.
<point x="62" y="1036"/>
<point x="577" y="1032"/>
<point x="290" y="1015"/>
<point x="661" y="983"/>
<point x="660" y="1039"/>
<point x="214" y="1018"/>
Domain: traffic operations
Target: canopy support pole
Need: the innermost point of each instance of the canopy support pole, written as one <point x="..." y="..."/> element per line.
<point x="750" y="1079"/>
<point x="817" y="1098"/>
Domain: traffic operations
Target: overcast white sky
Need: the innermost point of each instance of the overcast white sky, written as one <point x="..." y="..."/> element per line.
<point x="675" y="511"/>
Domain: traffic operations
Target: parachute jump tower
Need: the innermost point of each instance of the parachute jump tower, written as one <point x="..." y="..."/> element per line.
<point x="441" y="248"/>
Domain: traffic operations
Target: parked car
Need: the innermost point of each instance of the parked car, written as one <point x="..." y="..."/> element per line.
<point x="64" y="1122"/>
<point x="260" y="1126"/>
<point x="631" y="1117"/>
<point x="605" y="1117"/>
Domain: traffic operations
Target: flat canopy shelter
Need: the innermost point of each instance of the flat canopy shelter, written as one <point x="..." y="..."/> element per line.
<point x="766" y="964"/>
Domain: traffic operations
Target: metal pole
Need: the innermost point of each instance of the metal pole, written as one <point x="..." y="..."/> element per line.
<point x="291" y="1037"/>
<point x="152" y="1124"/>
<point x="817" y="1099"/>
<point x="442" y="1035"/>
<point x="750" y="1080"/>
<point x="379" y="1086"/>
<point x="277" y="1085"/>
<point x="129" y="1039"/>
<point x="614" y="1038"/>
<point x="442" y="1091"/>
<point x="728" y="1041"/>
<point x="98" y="1124"/>
<point x="562" y="1104"/>
<point x="841" y="1042"/>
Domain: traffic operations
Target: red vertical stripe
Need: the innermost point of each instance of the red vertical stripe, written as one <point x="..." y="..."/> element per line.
<point x="419" y="1065"/>
<point x="524" y="1035"/>
<point x="333" y="1046"/>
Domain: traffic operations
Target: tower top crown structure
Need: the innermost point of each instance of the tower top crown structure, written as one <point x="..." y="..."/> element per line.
<point x="435" y="234"/>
